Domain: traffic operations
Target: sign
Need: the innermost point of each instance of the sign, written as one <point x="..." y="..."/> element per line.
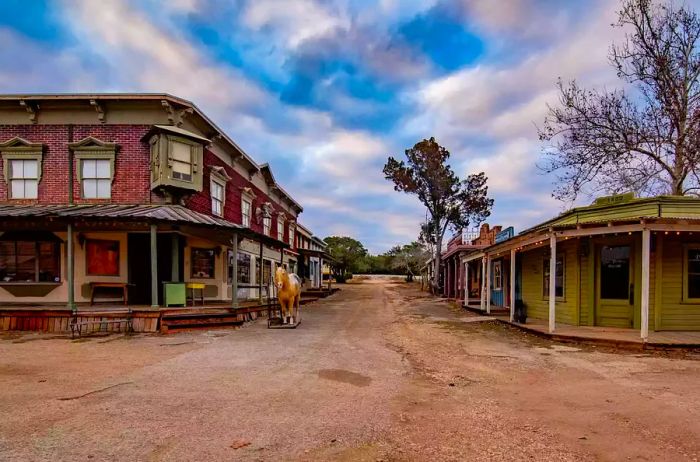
<point x="614" y="199"/>
<point x="504" y="235"/>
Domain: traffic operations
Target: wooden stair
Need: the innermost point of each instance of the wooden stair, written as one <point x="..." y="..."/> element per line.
<point x="173" y="322"/>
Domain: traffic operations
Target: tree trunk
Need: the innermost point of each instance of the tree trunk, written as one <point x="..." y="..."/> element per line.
<point x="438" y="259"/>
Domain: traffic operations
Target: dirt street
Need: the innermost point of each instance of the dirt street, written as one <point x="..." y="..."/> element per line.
<point x="378" y="371"/>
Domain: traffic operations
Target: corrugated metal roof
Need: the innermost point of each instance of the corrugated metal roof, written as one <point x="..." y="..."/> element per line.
<point x="162" y="213"/>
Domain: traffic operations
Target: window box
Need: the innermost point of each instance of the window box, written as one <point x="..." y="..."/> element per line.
<point x="177" y="158"/>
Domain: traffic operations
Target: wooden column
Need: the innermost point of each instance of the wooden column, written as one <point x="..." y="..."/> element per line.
<point x="482" y="283"/>
<point x="552" y="281"/>
<point x="234" y="278"/>
<point x="646" y="256"/>
<point x="512" y="285"/>
<point x="260" y="274"/>
<point x="154" y="266"/>
<point x="488" y="285"/>
<point x="466" y="283"/>
<point x="175" y="252"/>
<point x="70" y="268"/>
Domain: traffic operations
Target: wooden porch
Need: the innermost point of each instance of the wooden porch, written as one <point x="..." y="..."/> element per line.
<point x="611" y="336"/>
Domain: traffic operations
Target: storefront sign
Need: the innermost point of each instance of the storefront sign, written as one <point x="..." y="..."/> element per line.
<point x="504" y="235"/>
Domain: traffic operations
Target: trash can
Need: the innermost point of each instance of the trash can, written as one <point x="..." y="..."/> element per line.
<point x="174" y="293"/>
<point x="520" y="314"/>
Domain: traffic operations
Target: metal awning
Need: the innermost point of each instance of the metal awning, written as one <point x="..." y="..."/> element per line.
<point x="163" y="213"/>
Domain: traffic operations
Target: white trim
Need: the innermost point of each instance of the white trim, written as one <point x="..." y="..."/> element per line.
<point x="512" y="285"/>
<point x="646" y="256"/>
<point x="552" y="282"/>
<point x="488" y="285"/>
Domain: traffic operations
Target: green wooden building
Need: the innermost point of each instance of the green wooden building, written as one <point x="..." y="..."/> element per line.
<point x="620" y="262"/>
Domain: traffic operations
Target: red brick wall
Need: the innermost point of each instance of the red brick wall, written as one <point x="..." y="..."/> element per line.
<point x="131" y="183"/>
<point x="201" y="202"/>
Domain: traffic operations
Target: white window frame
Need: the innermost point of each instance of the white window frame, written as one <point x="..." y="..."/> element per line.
<point x="280" y="228"/>
<point x="14" y="177"/>
<point x="291" y="235"/>
<point x="20" y="149"/>
<point x="267" y="225"/>
<point x="81" y="165"/>
<point x="214" y="184"/>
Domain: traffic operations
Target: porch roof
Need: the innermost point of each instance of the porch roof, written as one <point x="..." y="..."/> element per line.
<point x="176" y="214"/>
<point x="661" y="207"/>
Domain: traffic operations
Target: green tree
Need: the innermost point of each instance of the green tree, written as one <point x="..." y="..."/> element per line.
<point x="350" y="255"/>
<point x="451" y="203"/>
<point x="409" y="259"/>
<point x="644" y="138"/>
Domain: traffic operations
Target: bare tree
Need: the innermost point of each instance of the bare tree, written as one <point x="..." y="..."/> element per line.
<point x="643" y="138"/>
<point x="451" y="203"/>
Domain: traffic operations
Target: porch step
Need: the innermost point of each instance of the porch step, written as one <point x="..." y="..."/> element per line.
<point x="181" y="321"/>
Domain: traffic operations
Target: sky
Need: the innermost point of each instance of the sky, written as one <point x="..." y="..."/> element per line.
<point x="327" y="90"/>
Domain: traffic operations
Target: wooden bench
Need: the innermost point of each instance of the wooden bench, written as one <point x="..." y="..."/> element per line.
<point x="109" y="285"/>
<point x="76" y="327"/>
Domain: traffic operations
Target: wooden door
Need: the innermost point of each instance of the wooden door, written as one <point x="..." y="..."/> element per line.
<point x="615" y="285"/>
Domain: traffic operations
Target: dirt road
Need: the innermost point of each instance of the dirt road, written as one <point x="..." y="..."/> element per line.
<point x="376" y="372"/>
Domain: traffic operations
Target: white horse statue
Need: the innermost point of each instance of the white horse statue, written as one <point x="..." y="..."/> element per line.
<point x="288" y="294"/>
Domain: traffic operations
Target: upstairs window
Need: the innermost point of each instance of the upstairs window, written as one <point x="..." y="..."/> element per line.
<point x="267" y="223"/>
<point x="280" y="229"/>
<point x="96" y="178"/>
<point x="246" y="207"/>
<point x="182" y="162"/>
<point x="24" y="178"/>
<point x="95" y="167"/>
<point x="22" y="167"/>
<point x="291" y="235"/>
<point x="217" y="198"/>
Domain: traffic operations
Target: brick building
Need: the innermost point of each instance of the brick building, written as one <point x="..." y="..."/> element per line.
<point x="132" y="191"/>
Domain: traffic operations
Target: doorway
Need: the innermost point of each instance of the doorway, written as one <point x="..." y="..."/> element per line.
<point x="615" y="286"/>
<point x="139" y="264"/>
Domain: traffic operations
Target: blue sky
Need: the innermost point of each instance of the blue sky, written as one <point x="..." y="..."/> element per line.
<point x="326" y="90"/>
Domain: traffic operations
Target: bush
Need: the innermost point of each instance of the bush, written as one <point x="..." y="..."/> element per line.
<point x="342" y="278"/>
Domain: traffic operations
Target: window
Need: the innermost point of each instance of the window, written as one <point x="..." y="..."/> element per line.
<point x="203" y="263"/>
<point x="22" y="167"/>
<point x="181" y="158"/>
<point x="692" y="267"/>
<point x="615" y="272"/>
<point x="24" y="178"/>
<point x="558" y="277"/>
<point x="243" y="267"/>
<point x="497" y="275"/>
<point x="246" y="206"/>
<point x="102" y="257"/>
<point x="267" y="222"/>
<point x="291" y="235"/>
<point x="280" y="229"/>
<point x="96" y="177"/>
<point x="30" y="261"/>
<point x="217" y="198"/>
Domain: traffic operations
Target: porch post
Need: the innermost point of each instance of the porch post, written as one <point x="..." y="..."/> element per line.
<point x="512" y="285"/>
<point x="466" y="283"/>
<point x="260" y="274"/>
<point x="646" y="253"/>
<point x="70" y="267"/>
<point x="482" y="283"/>
<point x="154" y="266"/>
<point x="488" y="285"/>
<point x="175" y="252"/>
<point x="552" y="281"/>
<point x="234" y="278"/>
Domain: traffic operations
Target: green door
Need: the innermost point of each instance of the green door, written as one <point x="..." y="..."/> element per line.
<point x="615" y="289"/>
